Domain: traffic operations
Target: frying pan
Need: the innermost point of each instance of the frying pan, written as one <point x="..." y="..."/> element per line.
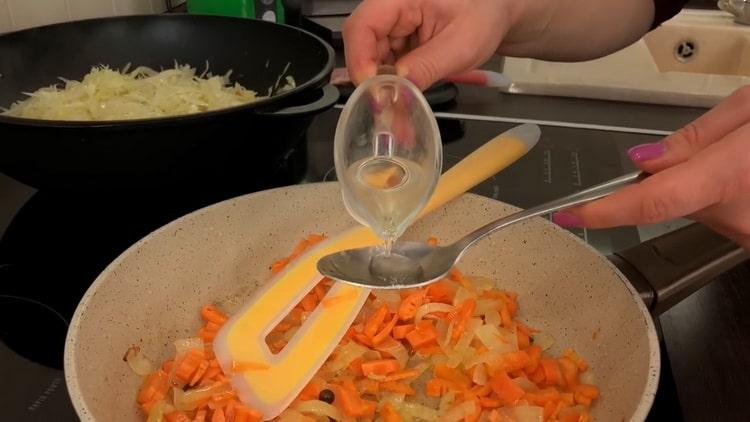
<point x="199" y="150"/>
<point x="150" y="295"/>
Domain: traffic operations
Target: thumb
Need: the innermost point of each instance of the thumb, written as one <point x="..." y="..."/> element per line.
<point x="448" y="53"/>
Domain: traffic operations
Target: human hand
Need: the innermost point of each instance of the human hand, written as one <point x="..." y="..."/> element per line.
<point x="701" y="171"/>
<point x="426" y="39"/>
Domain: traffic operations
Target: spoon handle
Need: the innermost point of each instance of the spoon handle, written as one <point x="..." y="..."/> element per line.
<point x="587" y="195"/>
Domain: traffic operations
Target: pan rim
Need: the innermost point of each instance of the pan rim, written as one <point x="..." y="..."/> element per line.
<point x="315" y="82"/>
<point x="69" y="362"/>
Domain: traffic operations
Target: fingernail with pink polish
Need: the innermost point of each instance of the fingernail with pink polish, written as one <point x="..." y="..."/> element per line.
<point x="566" y="219"/>
<point x="645" y="152"/>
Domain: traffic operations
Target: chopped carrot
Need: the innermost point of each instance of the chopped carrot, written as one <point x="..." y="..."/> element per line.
<point x="374" y="323"/>
<point x="489" y="403"/>
<point x="463" y="315"/>
<point x="410" y="373"/>
<point x="155" y="384"/>
<point x="279" y="265"/>
<point x="200" y="415"/>
<point x="356" y="367"/>
<point x="551" y="370"/>
<point x="349" y="399"/>
<point x="388" y="338"/>
<point x="363" y="339"/>
<point x="570" y="354"/>
<point x="543" y="396"/>
<point x="424" y="334"/>
<point x="453" y="375"/>
<point x="389" y="414"/>
<point x="369" y="386"/>
<point x="397" y="387"/>
<point x="314" y="239"/>
<point x="218" y="416"/>
<point x="311" y="391"/>
<point x="330" y="302"/>
<point x="514" y="361"/>
<point x="535" y="354"/>
<point x="441" y="291"/>
<point x="400" y="331"/>
<point x="206" y="335"/>
<point x="587" y="390"/>
<point x="186" y="367"/>
<point x="380" y="367"/>
<point x="368" y="408"/>
<point x="429" y="350"/>
<point x="386" y="331"/>
<point x="408" y="307"/>
<point x="199" y="372"/>
<point x="176" y="416"/>
<point x="434" y="387"/>
<point x="320" y="291"/>
<point x="309" y="302"/>
<point x="508" y="391"/>
<point x="432" y="241"/>
<point x="569" y="372"/>
<point x="505" y="317"/>
<point x="209" y="313"/>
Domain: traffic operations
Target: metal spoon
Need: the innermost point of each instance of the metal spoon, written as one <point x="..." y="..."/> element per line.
<point x="413" y="264"/>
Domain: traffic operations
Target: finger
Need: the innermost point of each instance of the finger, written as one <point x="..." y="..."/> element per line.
<point x="371" y="22"/>
<point x="718" y="174"/>
<point x="714" y="125"/>
<point x="445" y="54"/>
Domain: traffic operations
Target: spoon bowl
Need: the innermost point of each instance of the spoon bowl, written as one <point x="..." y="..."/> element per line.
<point x="413" y="264"/>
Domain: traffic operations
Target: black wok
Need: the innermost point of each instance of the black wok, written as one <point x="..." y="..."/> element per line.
<point x="247" y="143"/>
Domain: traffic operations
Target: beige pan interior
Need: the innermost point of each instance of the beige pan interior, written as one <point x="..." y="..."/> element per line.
<point x="151" y="294"/>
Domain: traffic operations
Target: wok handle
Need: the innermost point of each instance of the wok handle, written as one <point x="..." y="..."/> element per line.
<point x="328" y="98"/>
<point x="669" y="268"/>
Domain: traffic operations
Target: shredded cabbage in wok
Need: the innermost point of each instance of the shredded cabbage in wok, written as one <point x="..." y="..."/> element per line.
<point x="105" y="94"/>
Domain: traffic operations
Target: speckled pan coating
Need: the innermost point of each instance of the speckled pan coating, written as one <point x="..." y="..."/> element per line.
<point x="151" y="294"/>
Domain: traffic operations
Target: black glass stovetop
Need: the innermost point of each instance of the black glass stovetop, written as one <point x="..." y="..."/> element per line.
<point x="56" y="244"/>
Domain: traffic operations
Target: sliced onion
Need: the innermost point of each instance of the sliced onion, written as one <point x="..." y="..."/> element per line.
<point x="482" y="283"/>
<point x="291" y="415"/>
<point x="395" y="399"/>
<point x="461" y="295"/>
<point x="184" y="344"/>
<point x="490" y="337"/>
<point x="290" y="333"/>
<point x="493" y="318"/>
<point x="484" y="416"/>
<point x="525" y="383"/>
<point x="446" y="401"/>
<point x="157" y="412"/>
<point x="318" y="408"/>
<point x="462" y="349"/>
<point x="189" y="400"/>
<point x="430" y="308"/>
<point x="395" y="349"/>
<point x="418" y="411"/>
<point x="345" y="355"/>
<point x="480" y="375"/>
<point x="528" y="413"/>
<point x="587" y="378"/>
<point x="459" y="412"/>
<point x="389" y="298"/>
<point x="137" y="362"/>
<point x="544" y="340"/>
<point x="486" y="306"/>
